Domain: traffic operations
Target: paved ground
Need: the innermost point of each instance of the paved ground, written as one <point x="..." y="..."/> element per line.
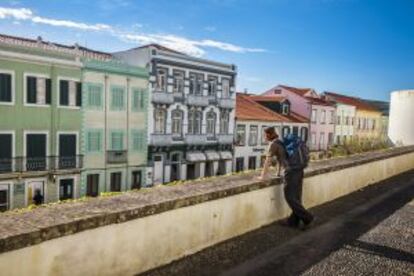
<point x="369" y="232"/>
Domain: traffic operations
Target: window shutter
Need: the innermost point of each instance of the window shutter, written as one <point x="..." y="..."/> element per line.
<point x="31" y="90"/>
<point x="78" y="94"/>
<point x="48" y="91"/>
<point x="64" y="93"/>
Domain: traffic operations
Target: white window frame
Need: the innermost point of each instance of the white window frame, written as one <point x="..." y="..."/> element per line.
<point x="181" y="74"/>
<point x="9" y="188"/>
<point x="173" y="112"/>
<point x="59" y="78"/>
<point x="164" y="123"/>
<point x="314" y="115"/>
<point x="157" y="80"/>
<point x="214" y="122"/>
<point x="228" y="90"/>
<point x="13" y="133"/>
<point x="255" y="142"/>
<point x="36" y="75"/>
<point x="58" y="133"/>
<point x="26" y="187"/>
<point x="26" y="132"/>
<point x="13" y="86"/>
<point x="75" y="182"/>
<point x="323" y="116"/>
<point x="210" y="79"/>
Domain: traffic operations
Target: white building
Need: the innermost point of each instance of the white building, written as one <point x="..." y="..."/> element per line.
<point x="253" y="115"/>
<point x="401" y="127"/>
<point x="345" y="117"/>
<point x="191" y="118"/>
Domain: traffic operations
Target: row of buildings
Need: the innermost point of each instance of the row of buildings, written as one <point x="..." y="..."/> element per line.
<point x="77" y="122"/>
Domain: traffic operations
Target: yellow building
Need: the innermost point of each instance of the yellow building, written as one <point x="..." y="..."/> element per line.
<point x="368" y="121"/>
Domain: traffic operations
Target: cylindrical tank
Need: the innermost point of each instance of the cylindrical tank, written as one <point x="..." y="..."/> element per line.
<point x="401" y="121"/>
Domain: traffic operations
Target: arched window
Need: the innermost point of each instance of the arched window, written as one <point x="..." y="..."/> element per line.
<point x="304" y="134"/>
<point x="176" y="122"/>
<point x="211" y="123"/>
<point x="285" y="131"/>
<point x="224" y="122"/>
<point x="159" y="120"/>
<point x="194" y="122"/>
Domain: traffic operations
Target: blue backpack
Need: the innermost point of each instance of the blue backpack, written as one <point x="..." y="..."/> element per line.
<point x="297" y="153"/>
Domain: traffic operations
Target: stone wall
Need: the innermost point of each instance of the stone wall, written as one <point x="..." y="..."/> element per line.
<point x="137" y="231"/>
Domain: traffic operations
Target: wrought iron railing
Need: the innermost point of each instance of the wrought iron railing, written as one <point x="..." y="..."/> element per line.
<point x="43" y="163"/>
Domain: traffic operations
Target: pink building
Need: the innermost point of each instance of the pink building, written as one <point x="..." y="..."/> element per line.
<point x="321" y="113"/>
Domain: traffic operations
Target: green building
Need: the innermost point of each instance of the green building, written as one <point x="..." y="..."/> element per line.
<point x="56" y="103"/>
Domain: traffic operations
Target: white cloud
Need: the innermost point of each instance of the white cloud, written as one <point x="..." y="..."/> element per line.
<point x="178" y="43"/>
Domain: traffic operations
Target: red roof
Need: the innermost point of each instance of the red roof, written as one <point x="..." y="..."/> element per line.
<point x="319" y="101"/>
<point x="267" y="98"/>
<point x="248" y="108"/>
<point x="298" y="91"/>
<point x="358" y="103"/>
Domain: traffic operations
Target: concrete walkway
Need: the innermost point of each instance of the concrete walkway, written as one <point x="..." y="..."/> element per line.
<point x="370" y="232"/>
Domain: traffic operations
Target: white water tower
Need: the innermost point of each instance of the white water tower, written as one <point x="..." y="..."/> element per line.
<point x="401" y="122"/>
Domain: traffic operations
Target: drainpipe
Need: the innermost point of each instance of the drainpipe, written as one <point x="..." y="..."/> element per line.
<point x="106" y="128"/>
<point x="127" y="132"/>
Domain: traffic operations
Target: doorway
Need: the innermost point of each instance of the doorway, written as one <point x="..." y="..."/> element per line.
<point x="32" y="187"/>
<point x="66" y="189"/>
<point x="209" y="169"/>
<point x="158" y="169"/>
<point x="191" y="171"/>
<point x="67" y="151"/>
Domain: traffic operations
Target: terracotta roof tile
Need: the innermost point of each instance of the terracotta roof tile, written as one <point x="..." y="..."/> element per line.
<point x="357" y="102"/>
<point x="299" y="91"/>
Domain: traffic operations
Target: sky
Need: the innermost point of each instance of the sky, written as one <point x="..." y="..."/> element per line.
<point x="362" y="48"/>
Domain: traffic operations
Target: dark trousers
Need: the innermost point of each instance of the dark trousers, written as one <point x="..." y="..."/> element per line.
<point x="293" y="195"/>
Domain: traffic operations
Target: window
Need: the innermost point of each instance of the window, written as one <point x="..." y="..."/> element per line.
<point x="92" y="185"/>
<point x="330" y="138"/>
<point x="224" y="122"/>
<point x="94" y="97"/>
<point x="285" y="109"/>
<point x="253" y="136"/>
<point x="196" y="84"/>
<point x="136" y="180"/>
<point x="252" y="162"/>
<point x="285" y="131"/>
<point x="6" y="152"/>
<point x="332" y="119"/>
<point x="304" y="134"/>
<point x="117" y="98"/>
<point x="239" y="164"/>
<point x="323" y="116"/>
<point x="70" y="93"/>
<point x="116" y="181"/>
<point x="94" y="141"/>
<point x="38" y="90"/>
<point x="177" y="122"/>
<point x="263" y="135"/>
<point x="364" y="123"/>
<point x="161" y="83"/>
<point x="117" y="140"/>
<point x="373" y="124"/>
<point x="159" y="118"/>
<point x="212" y="86"/>
<point x="225" y="87"/>
<point x="338" y="120"/>
<point x="138" y="99"/>
<point x="138" y="140"/>
<point x="194" y="122"/>
<point x="313" y="138"/>
<point x="314" y="114"/>
<point x="322" y="139"/>
<point x="6" y="88"/>
<point x="178" y="86"/>
<point x="241" y="135"/>
<point x="4" y="197"/>
<point x="66" y="189"/>
<point x="36" y="151"/>
<point x="211" y="123"/>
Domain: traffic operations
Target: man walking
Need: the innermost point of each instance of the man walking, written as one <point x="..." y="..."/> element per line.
<point x="293" y="156"/>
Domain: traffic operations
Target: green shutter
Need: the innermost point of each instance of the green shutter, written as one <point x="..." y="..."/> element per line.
<point x="94" y="96"/>
<point x="117" y="98"/>
<point x="117" y="140"/>
<point x="94" y="140"/>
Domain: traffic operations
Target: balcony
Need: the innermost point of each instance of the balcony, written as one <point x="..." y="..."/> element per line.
<point x="39" y="164"/>
<point x="225" y="138"/>
<point x="162" y="97"/>
<point x="161" y="139"/>
<point x="178" y="96"/>
<point x="227" y="103"/>
<point x="195" y="139"/>
<point x="116" y="156"/>
<point x="197" y="100"/>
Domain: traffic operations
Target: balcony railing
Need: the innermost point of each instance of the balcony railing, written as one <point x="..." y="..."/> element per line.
<point x="225" y="138"/>
<point x="196" y="139"/>
<point x="162" y="97"/>
<point x="116" y="156"/>
<point x="226" y="103"/>
<point x="197" y="100"/>
<point x="46" y="163"/>
<point x="161" y="139"/>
